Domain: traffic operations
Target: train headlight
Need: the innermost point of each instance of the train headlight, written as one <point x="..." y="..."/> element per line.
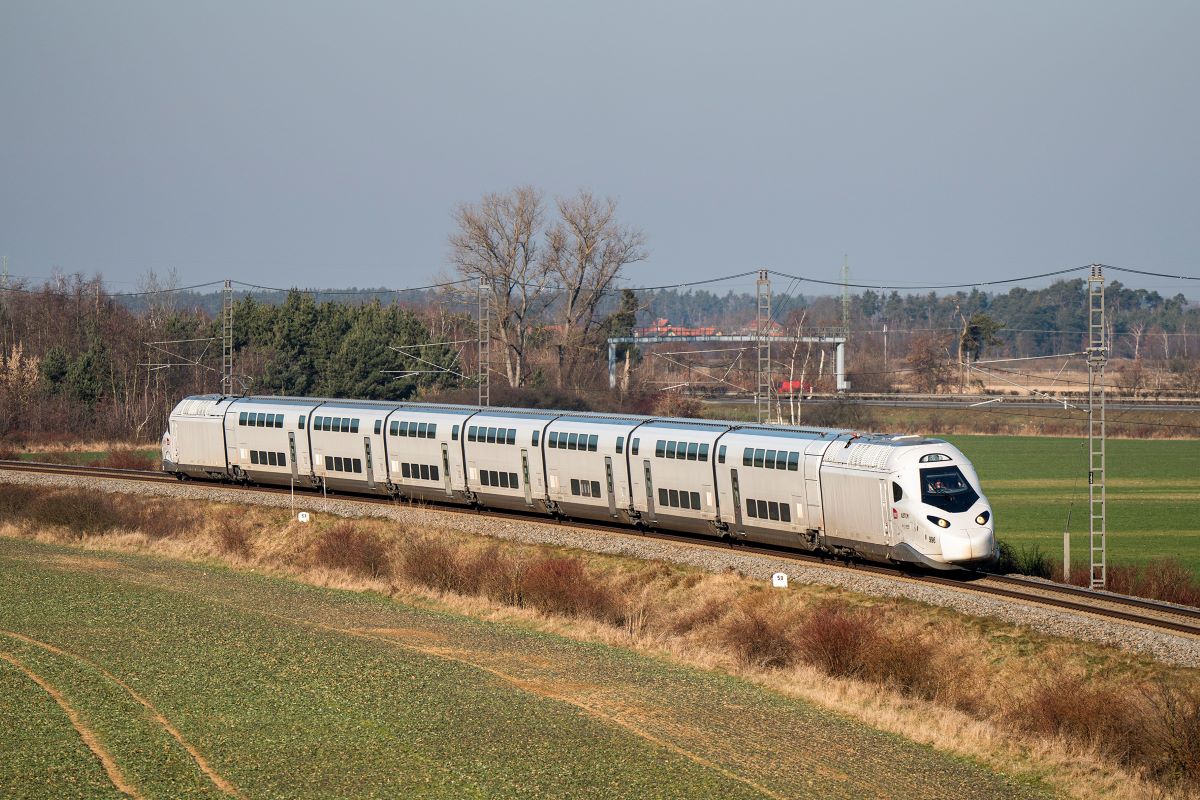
<point x="983" y="517"/>
<point x="941" y="523"/>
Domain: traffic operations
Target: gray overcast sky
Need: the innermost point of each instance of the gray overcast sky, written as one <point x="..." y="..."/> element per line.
<point x="300" y="143"/>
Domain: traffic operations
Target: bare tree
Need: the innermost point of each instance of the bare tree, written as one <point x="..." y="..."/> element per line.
<point x="497" y="241"/>
<point x="586" y="250"/>
<point x="1136" y="329"/>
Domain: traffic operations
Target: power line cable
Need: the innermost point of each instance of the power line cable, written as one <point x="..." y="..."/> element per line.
<point x="973" y="284"/>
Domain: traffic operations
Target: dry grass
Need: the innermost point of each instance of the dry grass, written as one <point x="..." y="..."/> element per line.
<point x="1163" y="579"/>
<point x="929" y="674"/>
<point x="127" y="459"/>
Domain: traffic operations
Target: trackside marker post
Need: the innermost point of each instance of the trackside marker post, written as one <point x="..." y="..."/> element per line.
<point x="779" y="580"/>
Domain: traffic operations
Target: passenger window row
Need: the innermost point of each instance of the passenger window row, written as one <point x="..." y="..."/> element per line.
<point x="485" y="435"/>
<point x="268" y="459"/>
<point x="690" y="451"/>
<point x="679" y="499"/>
<point x="585" y="488"/>
<point x="420" y="472"/>
<point x="768" y="509"/>
<point x="418" y="430"/>
<point x="573" y="441"/>
<point x="335" y="424"/>
<point x="339" y="464"/>
<point x="504" y="480"/>
<point x="252" y="419"/>
<point x="770" y="459"/>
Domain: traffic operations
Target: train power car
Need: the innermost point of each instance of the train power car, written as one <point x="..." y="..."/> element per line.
<point x="897" y="498"/>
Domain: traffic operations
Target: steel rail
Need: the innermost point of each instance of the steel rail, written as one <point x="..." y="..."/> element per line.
<point x="1036" y="592"/>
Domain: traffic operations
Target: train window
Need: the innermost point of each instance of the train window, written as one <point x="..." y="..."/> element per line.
<point x="660" y="448"/>
<point x="934" y="457"/>
<point x="759" y="455"/>
<point x="704" y="452"/>
<point x="670" y="449"/>
<point x="662" y="497"/>
<point x="242" y="418"/>
<point x="317" y="423"/>
<point x="258" y="420"/>
<point x="747" y="456"/>
<point x="773" y="510"/>
<point x="378" y="426"/>
<point x="897" y="492"/>
<point x="511" y="438"/>
<point x="593" y="442"/>
<point x="272" y="460"/>
<point x="253" y="456"/>
<point x="422" y="430"/>
<point x="781" y="460"/>
<point x="595" y="488"/>
<point x="483" y="477"/>
<point x="512" y="480"/>
<point x="721" y="454"/>
<point x="471" y="433"/>
<point x="358" y="465"/>
<point x="268" y="420"/>
<point x="495" y="477"/>
<point x="503" y="480"/>
<point x="634" y="447"/>
<point x="333" y="424"/>
<point x="681" y="450"/>
<point x="271" y="420"/>
<point x="552" y="440"/>
<point x="489" y="435"/>
<point x="575" y="486"/>
<point x="337" y="463"/>
<point x="793" y="462"/>
<point x="301" y="422"/>
<point x="404" y="471"/>
<point x="534" y="441"/>
<point x="693" y="451"/>
<point x="695" y="501"/>
<point x="433" y="430"/>
<point x="424" y="472"/>
<point x="454" y="434"/>
<point x="354" y="425"/>
<point x="572" y="441"/>
<point x="762" y="509"/>
<point x="674" y="495"/>
<point x="394" y="428"/>
<point x="329" y="463"/>
<point x="433" y="473"/>
<point x="620" y="445"/>
<point x="279" y="420"/>
<point x="785" y="512"/>
<point x="770" y="462"/>
<point x="751" y="509"/>
<point x="283" y="459"/>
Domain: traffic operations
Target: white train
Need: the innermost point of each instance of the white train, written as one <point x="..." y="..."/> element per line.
<point x="881" y="497"/>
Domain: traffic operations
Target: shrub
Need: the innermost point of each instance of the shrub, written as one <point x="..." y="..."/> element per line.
<point x="431" y="562"/>
<point x="1096" y="715"/>
<point x="232" y="537"/>
<point x="1173" y="733"/>
<point x="7" y="453"/>
<point x="79" y="511"/>
<point x="347" y="548"/>
<point x="759" y="635"/>
<point x="1024" y="561"/>
<point x="15" y="500"/>
<point x="563" y="586"/>
<point x="837" y="640"/>
<point x="1160" y="579"/>
<point x="493" y="573"/>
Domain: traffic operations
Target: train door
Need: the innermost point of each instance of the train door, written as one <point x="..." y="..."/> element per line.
<point x="812" y="490"/>
<point x="370" y="463"/>
<point x="446" y="469"/>
<point x="649" y="492"/>
<point x="737" y="503"/>
<point x="608" y="475"/>
<point x="525" y="477"/>
<point x="886" y="504"/>
<point x="292" y="452"/>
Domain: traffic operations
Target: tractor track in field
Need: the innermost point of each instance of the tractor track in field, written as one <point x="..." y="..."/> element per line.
<point x="1120" y="608"/>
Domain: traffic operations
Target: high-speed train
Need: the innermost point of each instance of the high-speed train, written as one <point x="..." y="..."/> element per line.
<point x="880" y="497"/>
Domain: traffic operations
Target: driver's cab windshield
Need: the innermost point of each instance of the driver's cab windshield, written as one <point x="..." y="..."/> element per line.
<point x="947" y="489"/>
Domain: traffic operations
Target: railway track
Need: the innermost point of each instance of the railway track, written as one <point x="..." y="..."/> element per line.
<point x="1140" y="611"/>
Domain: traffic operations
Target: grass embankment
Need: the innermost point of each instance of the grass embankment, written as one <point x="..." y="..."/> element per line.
<point x="978" y="688"/>
<point x="1034" y="483"/>
<point x="120" y="455"/>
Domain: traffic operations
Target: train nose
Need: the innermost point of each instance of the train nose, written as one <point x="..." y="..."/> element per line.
<point x="968" y="544"/>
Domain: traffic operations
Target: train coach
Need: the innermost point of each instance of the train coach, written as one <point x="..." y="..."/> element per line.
<point x="883" y="497"/>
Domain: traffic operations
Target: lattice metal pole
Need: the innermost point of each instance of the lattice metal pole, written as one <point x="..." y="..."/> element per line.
<point x="485" y="343"/>
<point x="762" y="396"/>
<point x="227" y="338"/>
<point x="1097" y="358"/>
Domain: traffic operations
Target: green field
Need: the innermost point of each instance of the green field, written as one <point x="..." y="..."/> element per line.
<point x="1153" y="494"/>
<point x="282" y="690"/>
